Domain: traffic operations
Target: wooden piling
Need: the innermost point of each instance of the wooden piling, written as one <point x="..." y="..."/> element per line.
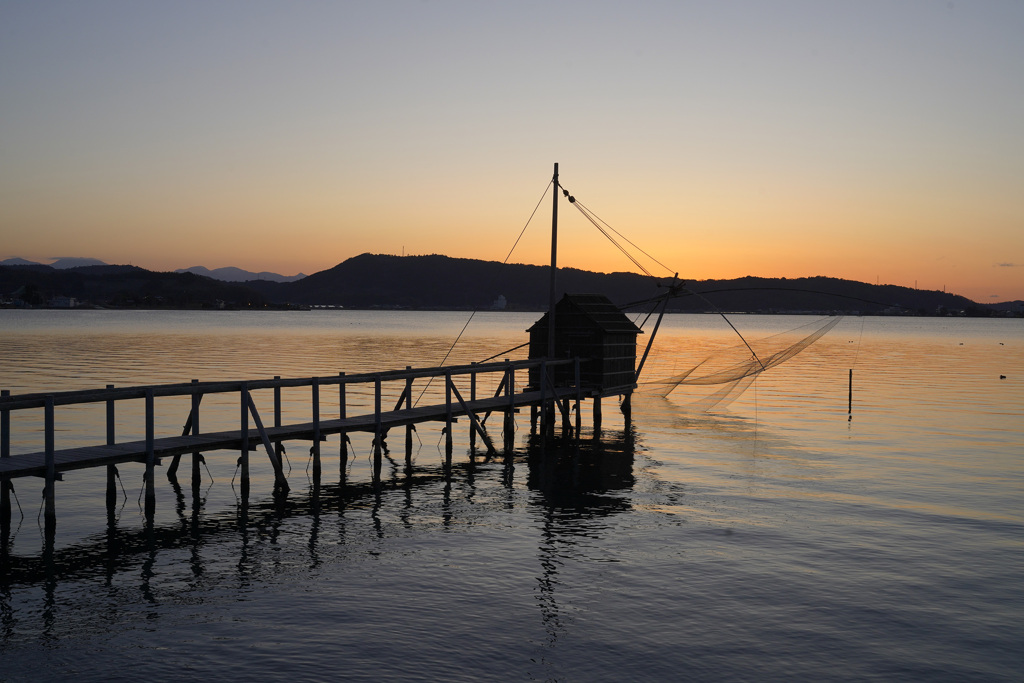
<point x="51" y="471"/>
<point x="5" y="482"/>
<point x="545" y="418"/>
<point x="243" y="457"/>
<point x="579" y="396"/>
<point x="472" y="397"/>
<point x="849" y="400"/>
<point x="150" y="454"/>
<point x="343" y="436"/>
<point x="316" y="429"/>
<point x="111" y="469"/>
<point x="510" y="391"/>
<point x="5" y="428"/>
<point x="409" y="427"/>
<point x="197" y="457"/>
<point x="448" y="418"/>
<point x="378" y="431"/>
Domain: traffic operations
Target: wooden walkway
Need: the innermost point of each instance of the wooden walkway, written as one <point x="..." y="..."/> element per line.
<point x="34" y="464"/>
<point x="507" y="399"/>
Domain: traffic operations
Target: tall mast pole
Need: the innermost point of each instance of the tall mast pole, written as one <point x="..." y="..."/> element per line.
<point x="554" y="263"/>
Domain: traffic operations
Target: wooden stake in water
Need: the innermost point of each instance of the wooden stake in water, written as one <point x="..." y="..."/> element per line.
<point x="849" y="401"/>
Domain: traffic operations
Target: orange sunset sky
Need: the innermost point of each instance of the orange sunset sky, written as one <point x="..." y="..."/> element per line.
<point x="868" y="140"/>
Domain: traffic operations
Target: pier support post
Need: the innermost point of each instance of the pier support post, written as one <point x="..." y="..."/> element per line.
<point x="343" y="435"/>
<point x="448" y="419"/>
<point x="579" y="398"/>
<point x="150" y="455"/>
<point x="316" y="430"/>
<point x="51" y="471"/>
<point x="544" y="417"/>
<point x="197" y="457"/>
<point x="243" y="458"/>
<point x="849" y="400"/>
<point x="509" y="426"/>
<point x="472" y="398"/>
<point x="408" y="427"/>
<point x="597" y="416"/>
<point x="5" y="482"/>
<point x="378" y="431"/>
<point x="111" y="469"/>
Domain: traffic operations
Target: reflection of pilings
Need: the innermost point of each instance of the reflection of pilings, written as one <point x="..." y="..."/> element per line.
<point x="118" y="548"/>
<point x="586" y="482"/>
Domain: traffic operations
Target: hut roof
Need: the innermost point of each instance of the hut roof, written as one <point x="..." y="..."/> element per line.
<point x="598" y="309"/>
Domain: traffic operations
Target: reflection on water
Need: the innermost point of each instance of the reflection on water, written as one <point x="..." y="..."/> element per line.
<point x="577" y="481"/>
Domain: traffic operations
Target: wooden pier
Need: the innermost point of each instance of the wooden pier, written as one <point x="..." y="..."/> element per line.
<point x="543" y="398"/>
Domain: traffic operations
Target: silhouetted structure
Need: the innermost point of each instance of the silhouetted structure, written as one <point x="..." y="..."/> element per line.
<point x="591" y="327"/>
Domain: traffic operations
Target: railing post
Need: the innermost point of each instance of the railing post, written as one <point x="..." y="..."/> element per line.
<point x="150" y="454"/>
<point x="51" y="469"/>
<point x="243" y="458"/>
<point x="316" y="429"/>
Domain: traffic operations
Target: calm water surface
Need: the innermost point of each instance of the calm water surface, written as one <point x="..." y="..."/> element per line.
<point x="774" y="538"/>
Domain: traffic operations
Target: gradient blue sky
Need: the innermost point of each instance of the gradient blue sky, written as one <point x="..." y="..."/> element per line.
<point x="876" y="141"/>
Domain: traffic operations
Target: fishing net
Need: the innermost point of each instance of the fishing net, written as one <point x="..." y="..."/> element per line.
<point x="737" y="367"/>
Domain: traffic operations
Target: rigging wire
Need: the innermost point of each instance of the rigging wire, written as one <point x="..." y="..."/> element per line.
<point x="502" y="353"/>
<point x="593" y="217"/>
<point x="477" y="309"/>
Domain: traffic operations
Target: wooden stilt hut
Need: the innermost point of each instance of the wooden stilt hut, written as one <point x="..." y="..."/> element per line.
<point x="592" y="327"/>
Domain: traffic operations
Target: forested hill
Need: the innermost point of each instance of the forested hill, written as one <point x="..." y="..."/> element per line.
<point x="436" y="281"/>
<point x="441" y="282"/>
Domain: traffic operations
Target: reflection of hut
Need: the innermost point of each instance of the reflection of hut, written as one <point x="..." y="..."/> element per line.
<point x="593" y="328"/>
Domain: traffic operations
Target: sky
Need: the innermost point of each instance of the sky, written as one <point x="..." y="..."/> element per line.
<point x="879" y="141"/>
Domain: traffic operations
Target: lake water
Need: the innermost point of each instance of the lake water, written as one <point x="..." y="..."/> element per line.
<point x="775" y="538"/>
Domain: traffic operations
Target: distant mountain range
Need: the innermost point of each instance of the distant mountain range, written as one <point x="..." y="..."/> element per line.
<point x="441" y="282"/>
<point x="59" y="264"/>
<point x="238" y="275"/>
<point x="222" y="274"/>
